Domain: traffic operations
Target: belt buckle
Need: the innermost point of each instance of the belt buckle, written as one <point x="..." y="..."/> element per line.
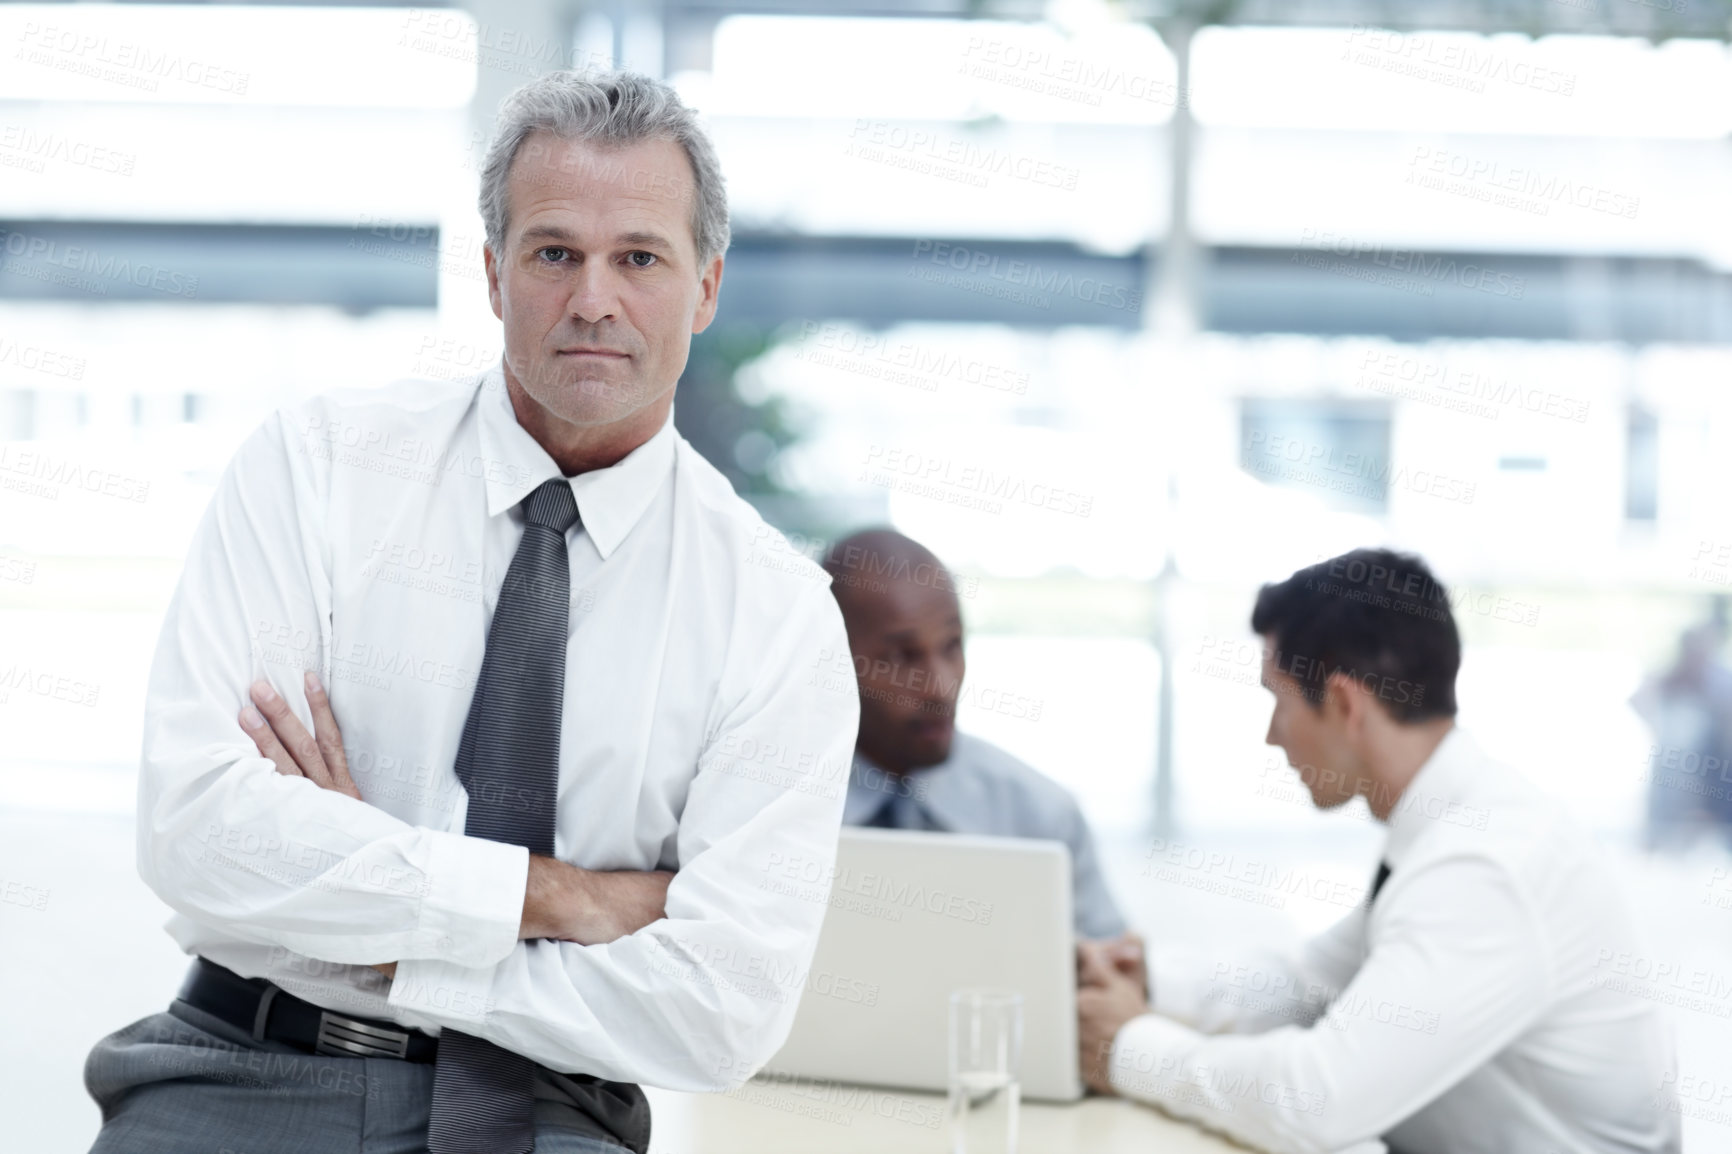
<point x="342" y="1037"/>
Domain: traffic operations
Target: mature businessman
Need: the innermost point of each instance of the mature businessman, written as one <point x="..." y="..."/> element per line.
<point x="442" y="766"/>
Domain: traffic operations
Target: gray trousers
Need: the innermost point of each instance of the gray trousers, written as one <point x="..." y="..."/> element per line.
<point x="184" y="1082"/>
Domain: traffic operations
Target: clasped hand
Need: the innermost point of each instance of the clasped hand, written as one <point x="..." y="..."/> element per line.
<point x="1112" y="985"/>
<point x="561" y="901"/>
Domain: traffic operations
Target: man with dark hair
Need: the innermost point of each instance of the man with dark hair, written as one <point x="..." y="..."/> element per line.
<point x="1473" y="1001"/>
<point x="911" y="769"/>
<point x="1379" y="616"/>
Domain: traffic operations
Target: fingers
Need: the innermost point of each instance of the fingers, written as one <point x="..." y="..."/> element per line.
<point x="280" y="736"/>
<point x="1125" y="944"/>
<point x="1092" y="968"/>
<point x="266" y="742"/>
<point x="328" y="737"/>
<point x="1126" y="955"/>
<point x="615" y="903"/>
<point x="291" y="733"/>
<point x="647" y="900"/>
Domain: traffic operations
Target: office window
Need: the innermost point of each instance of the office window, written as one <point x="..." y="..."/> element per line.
<point x="1337" y="450"/>
<point x="1641" y="465"/>
<point x="17" y="414"/>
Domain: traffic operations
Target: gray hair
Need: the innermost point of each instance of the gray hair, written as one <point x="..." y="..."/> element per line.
<point x="615" y="109"/>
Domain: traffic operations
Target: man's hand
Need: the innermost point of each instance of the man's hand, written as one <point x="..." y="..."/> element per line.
<point x="1106" y="999"/>
<point x="279" y="735"/>
<point x="590" y="907"/>
<point x="1124" y="954"/>
<point x="318" y="757"/>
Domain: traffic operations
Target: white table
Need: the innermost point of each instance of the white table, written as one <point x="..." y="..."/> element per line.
<point x="815" y="1117"/>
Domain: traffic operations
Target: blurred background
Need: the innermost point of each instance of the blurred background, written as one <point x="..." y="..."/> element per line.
<point x="1121" y="308"/>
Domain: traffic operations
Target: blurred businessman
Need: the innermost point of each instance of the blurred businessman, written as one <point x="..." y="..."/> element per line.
<point x="1689" y="709"/>
<point x="1481" y="999"/>
<point x="912" y="770"/>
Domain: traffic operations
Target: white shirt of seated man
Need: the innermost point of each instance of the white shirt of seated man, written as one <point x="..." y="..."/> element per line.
<point x="1468" y="1007"/>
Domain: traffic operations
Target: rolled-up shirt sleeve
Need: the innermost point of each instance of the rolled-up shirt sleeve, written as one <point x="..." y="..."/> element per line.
<point x="1458" y="969"/>
<point x="701" y="999"/>
<point x="227" y="841"/>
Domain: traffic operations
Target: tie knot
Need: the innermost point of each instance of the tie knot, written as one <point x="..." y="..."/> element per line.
<point x="552" y="505"/>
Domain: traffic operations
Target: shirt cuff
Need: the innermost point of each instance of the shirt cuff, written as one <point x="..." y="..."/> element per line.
<point x="1145" y="1061"/>
<point x="473" y="908"/>
<point x="446" y="994"/>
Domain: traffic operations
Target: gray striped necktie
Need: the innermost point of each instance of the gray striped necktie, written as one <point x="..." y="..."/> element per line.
<point x="508" y="760"/>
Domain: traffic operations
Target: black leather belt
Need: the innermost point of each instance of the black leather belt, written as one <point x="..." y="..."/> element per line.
<point x="267" y="1011"/>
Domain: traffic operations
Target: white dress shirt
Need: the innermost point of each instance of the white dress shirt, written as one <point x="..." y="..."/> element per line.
<point x="1475" y="1007"/>
<point x="365" y="536"/>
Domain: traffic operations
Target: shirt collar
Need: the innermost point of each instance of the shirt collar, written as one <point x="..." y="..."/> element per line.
<point x="610" y="501"/>
<point x="1443" y="782"/>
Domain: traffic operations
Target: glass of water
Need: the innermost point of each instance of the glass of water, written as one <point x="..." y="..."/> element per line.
<point x="985" y="1070"/>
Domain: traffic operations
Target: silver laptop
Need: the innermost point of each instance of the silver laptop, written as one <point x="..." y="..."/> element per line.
<point x="914" y="916"/>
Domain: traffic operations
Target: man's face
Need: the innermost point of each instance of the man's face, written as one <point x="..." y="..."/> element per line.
<point x="597" y="281"/>
<point x="907" y="643"/>
<point x="1314" y="739"/>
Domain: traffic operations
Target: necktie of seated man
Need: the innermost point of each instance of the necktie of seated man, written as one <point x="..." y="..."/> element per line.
<point x="508" y="760"/>
<point x="901" y="811"/>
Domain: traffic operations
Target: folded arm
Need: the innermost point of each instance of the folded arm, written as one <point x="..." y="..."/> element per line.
<point x="560" y="901"/>
<point x="701" y="998"/>
<point x="266" y="857"/>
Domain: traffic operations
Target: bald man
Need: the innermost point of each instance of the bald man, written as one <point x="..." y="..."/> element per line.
<point x="912" y="770"/>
